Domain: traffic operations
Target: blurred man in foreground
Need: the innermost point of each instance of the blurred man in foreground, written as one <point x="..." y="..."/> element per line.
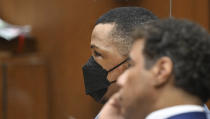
<point x="168" y="75"/>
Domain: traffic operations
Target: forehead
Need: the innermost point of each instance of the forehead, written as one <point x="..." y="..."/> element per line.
<point x="102" y="36"/>
<point x="136" y="49"/>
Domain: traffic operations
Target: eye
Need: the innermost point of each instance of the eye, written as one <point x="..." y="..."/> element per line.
<point x="97" y="54"/>
<point x="130" y="63"/>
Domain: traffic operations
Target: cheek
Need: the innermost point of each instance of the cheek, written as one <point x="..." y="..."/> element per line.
<point x="114" y="75"/>
<point x="134" y="76"/>
<point x="134" y="85"/>
<point x="139" y="87"/>
<point x="132" y="82"/>
<point x="102" y="62"/>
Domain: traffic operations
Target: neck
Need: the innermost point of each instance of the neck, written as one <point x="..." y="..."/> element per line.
<point x="173" y="96"/>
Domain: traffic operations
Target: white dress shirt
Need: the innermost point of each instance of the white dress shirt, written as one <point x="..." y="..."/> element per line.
<point x="175" y="110"/>
<point x="207" y="111"/>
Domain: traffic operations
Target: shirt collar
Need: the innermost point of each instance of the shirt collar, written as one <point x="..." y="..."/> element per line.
<point x="175" y="110"/>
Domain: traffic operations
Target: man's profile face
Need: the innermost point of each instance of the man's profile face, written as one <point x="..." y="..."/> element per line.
<point x="106" y="53"/>
<point x="135" y="84"/>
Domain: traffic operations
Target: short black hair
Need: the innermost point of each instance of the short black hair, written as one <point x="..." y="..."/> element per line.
<point x="187" y="45"/>
<point x="125" y="19"/>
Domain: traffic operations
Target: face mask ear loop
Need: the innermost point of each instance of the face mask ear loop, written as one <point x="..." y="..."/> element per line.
<point x="119" y="65"/>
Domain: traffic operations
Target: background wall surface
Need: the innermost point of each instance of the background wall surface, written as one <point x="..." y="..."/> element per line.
<point x="63" y="29"/>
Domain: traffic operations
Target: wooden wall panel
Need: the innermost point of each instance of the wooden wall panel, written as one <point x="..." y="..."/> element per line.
<point x="1" y="94"/>
<point x="63" y="29"/>
<point x="195" y="10"/>
<point x="27" y="90"/>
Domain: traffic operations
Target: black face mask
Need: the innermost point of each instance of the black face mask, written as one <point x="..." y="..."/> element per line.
<point x="95" y="79"/>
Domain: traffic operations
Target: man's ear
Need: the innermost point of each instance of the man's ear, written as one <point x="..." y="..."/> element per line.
<point x="162" y="71"/>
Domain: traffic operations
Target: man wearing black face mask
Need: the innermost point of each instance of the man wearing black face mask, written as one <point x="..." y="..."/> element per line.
<point x="110" y="44"/>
